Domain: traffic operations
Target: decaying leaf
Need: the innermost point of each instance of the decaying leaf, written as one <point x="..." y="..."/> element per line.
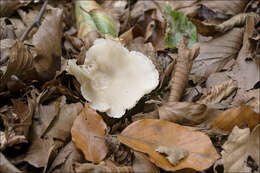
<point x="120" y="153"/>
<point x="207" y="29"/>
<point x="86" y="131"/>
<point x="239" y="147"/>
<point x="225" y="7"/>
<point x="174" y="155"/>
<point x="91" y="168"/>
<point x="148" y="134"/>
<point x="183" y="112"/>
<point x="242" y="116"/>
<point x="47" y="41"/>
<point x="181" y="72"/>
<point x="143" y="164"/>
<point x="66" y="158"/>
<point x="218" y="92"/>
<point x="6" y="166"/>
<point x="8" y="7"/>
<point x="20" y="62"/>
<point x="215" y="53"/>
<point x="246" y="70"/>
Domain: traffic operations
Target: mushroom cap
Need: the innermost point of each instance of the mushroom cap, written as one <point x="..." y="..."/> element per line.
<point x="113" y="79"/>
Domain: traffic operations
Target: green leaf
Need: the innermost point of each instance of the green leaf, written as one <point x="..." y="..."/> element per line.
<point x="178" y="25"/>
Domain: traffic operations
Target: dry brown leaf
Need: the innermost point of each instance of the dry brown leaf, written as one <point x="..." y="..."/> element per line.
<point x="216" y="53"/>
<point x="207" y="29"/>
<point x="143" y="164"/>
<point x="86" y="131"/>
<point x="8" y="7"/>
<point x="182" y="69"/>
<point x="218" y="92"/>
<point x="64" y="161"/>
<point x="242" y="116"/>
<point x="225" y="7"/>
<point x="239" y="146"/>
<point x="20" y="63"/>
<point x="183" y="112"/>
<point x="146" y="135"/>
<point x="47" y="41"/>
<point x="246" y="70"/>
<point x="91" y="168"/>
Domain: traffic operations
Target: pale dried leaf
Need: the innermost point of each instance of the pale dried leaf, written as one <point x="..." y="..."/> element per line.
<point x="214" y="54"/>
<point x="47" y="41"/>
<point x="143" y="164"/>
<point x="218" y="92"/>
<point x="183" y="112"/>
<point x="6" y="166"/>
<point x="91" y="168"/>
<point x="239" y="146"/>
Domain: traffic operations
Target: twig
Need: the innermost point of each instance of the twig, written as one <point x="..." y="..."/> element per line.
<point x="36" y="22"/>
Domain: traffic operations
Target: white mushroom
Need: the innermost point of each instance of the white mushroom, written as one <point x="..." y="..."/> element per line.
<point x="112" y="78"/>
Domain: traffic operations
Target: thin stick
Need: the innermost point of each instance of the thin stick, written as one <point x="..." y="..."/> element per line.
<point x="36" y="22"/>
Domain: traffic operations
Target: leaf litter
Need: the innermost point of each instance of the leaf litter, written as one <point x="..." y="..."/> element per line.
<point x="202" y="115"/>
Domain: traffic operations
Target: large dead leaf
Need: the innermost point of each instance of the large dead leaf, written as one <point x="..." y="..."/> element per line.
<point x="47" y="41"/>
<point x="48" y="136"/>
<point x="146" y="135"/>
<point x="214" y="54"/>
<point x="239" y="146"/>
<point x="242" y="116"/>
<point x="87" y="130"/>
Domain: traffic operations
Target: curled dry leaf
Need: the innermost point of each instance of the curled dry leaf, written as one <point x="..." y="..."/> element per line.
<point x="146" y="135"/>
<point x="183" y="112"/>
<point x="225" y="7"/>
<point x="242" y="116"/>
<point x="91" y="168"/>
<point x="143" y="164"/>
<point x="207" y="29"/>
<point x="218" y="92"/>
<point x="215" y="53"/>
<point x="237" y="149"/>
<point x="47" y="41"/>
<point x="87" y="130"/>
<point x="66" y="158"/>
<point x="20" y="63"/>
<point x="181" y="72"/>
<point x="174" y="154"/>
<point x="246" y="70"/>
